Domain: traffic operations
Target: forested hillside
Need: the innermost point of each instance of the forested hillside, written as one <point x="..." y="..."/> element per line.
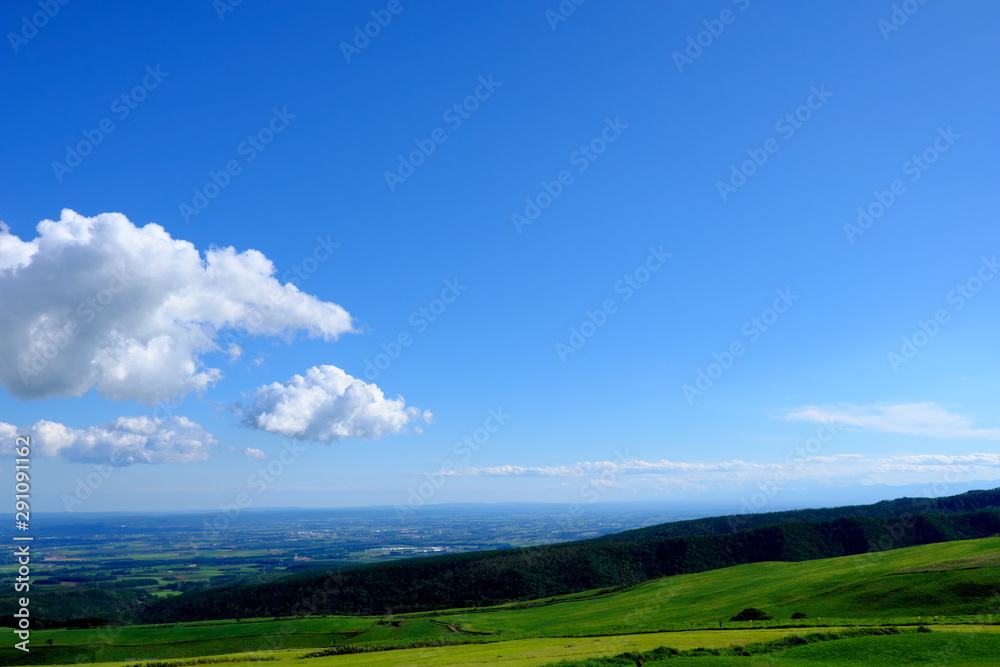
<point x="496" y="577"/>
<point x="900" y="507"/>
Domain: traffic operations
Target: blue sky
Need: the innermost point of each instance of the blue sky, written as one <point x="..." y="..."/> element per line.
<point x="561" y="220"/>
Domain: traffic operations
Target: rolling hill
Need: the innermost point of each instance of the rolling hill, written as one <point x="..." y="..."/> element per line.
<point x="954" y="587"/>
<point x="495" y="577"/>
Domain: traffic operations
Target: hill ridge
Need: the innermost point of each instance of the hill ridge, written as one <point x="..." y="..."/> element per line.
<point x="496" y="577"/>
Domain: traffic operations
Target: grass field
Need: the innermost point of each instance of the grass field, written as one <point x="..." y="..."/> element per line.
<point x="973" y="646"/>
<point x="944" y="649"/>
<point x="849" y="588"/>
<point x="190" y="640"/>
<point x="934" y="584"/>
<point x="528" y="651"/>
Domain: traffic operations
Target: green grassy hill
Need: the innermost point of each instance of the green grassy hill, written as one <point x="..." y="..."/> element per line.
<point x="954" y="649"/>
<point x="494" y="577"/>
<point x="924" y="581"/>
<point x="957" y="582"/>
<point x="953" y="646"/>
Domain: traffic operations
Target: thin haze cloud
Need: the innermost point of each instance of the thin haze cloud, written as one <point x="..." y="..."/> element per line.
<point x="921" y="419"/>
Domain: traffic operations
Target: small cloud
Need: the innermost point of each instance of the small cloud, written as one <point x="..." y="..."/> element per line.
<point x="326" y="405"/>
<point x="840" y="469"/>
<point x="924" y="419"/>
<point x="255" y="453"/>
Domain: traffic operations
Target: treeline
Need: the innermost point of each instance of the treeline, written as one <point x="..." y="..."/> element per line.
<point x="77" y="607"/>
<point x="901" y="507"/>
<point x="495" y="577"/>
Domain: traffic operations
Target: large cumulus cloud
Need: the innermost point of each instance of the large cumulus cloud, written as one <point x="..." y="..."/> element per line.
<point x="99" y="302"/>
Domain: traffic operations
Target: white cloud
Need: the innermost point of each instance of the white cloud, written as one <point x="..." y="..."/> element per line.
<point x="99" y="302"/>
<point x="839" y="469"/>
<point x="635" y="466"/>
<point x="924" y="419"/>
<point x="14" y="252"/>
<point x="8" y="432"/>
<point x="121" y="442"/>
<point x="327" y="405"/>
<point x="255" y="453"/>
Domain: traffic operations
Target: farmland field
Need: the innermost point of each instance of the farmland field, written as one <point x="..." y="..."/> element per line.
<point x="167" y="555"/>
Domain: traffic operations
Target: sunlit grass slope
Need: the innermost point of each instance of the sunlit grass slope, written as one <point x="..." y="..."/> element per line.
<point x="952" y="581"/>
<point x="917" y="581"/>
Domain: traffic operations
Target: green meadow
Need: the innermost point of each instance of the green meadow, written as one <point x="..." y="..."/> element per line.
<point x="905" y="586"/>
<point x="952" y="587"/>
<point x="955" y="646"/>
<point x="953" y="649"/>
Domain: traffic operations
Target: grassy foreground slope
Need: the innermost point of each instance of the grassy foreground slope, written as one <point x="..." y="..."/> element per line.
<point x="955" y="581"/>
<point x="493" y="577"/>
<point x="953" y="578"/>
<point x="966" y="646"/>
<point x="951" y="649"/>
